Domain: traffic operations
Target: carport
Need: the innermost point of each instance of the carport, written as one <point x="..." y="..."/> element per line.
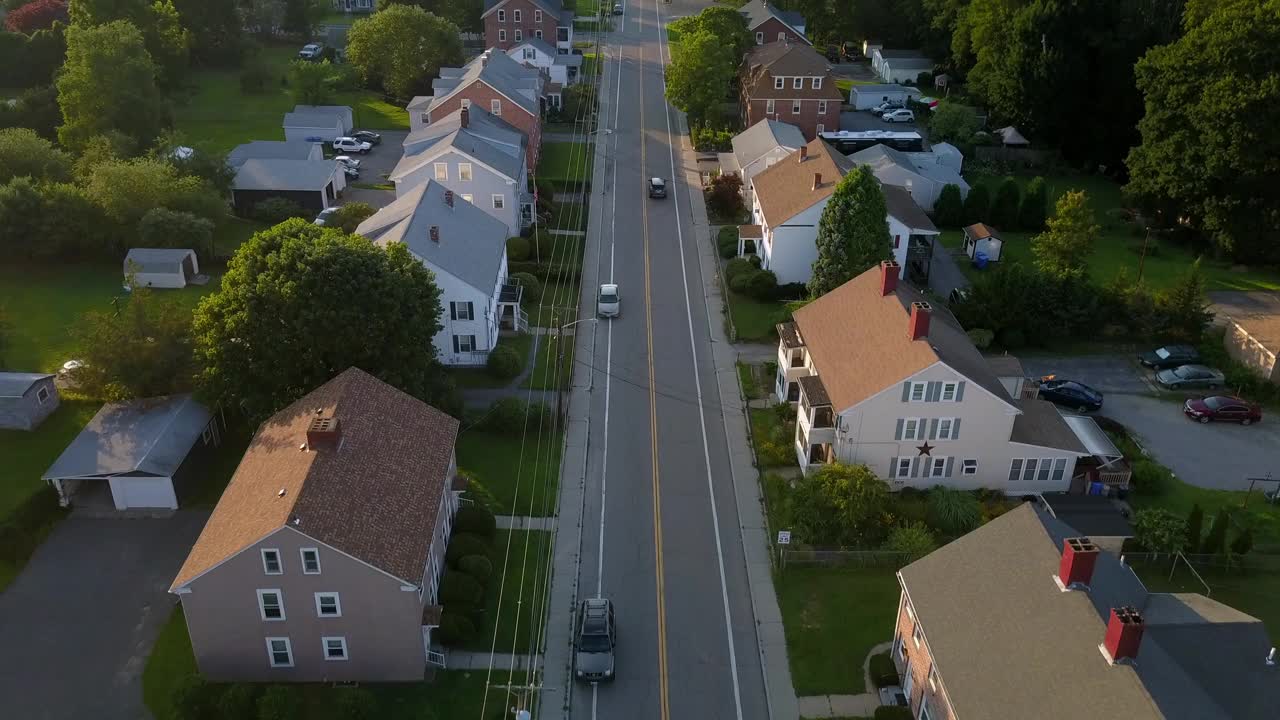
<point x="1105" y="471"/>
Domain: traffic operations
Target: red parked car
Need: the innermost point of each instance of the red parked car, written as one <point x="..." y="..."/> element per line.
<point x="1222" y="407"/>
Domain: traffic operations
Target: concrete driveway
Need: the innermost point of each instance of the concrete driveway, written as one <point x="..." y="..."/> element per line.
<point x="374" y="169"/>
<point x="79" y="622"/>
<point x="1216" y="455"/>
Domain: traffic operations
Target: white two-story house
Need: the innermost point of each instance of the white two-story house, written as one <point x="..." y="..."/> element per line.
<point x="564" y="69"/>
<point x="466" y="249"/>
<point x="477" y="156"/>
<point x="788" y="200"/>
<point x="881" y="378"/>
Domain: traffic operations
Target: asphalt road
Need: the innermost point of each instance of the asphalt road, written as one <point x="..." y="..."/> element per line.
<point x="661" y="529"/>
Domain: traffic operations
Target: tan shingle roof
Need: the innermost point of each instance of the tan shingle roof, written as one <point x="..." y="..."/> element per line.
<point x="376" y="498"/>
<point x="785" y="189"/>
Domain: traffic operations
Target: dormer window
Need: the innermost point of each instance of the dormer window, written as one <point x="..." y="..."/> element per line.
<point x="797" y="83"/>
<point x="779" y="83"/>
<point x="817" y="83"/>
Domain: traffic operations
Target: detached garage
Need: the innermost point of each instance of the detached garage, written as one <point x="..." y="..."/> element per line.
<point x="865" y="97"/>
<point x="317" y="123"/>
<point x="161" y="267"/>
<point x="134" y="455"/>
<point x="312" y="184"/>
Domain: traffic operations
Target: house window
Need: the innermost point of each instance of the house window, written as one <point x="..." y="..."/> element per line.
<point x="1059" y="468"/>
<point x="502" y="16"/>
<point x="537" y="16"/>
<point x="917" y="391"/>
<point x="797" y="83"/>
<point x="933" y="679"/>
<point x="464" y="172"/>
<point x="335" y="648"/>
<point x="779" y="83"/>
<point x="903" y="468"/>
<point x="327" y="605"/>
<point x="310" y="561"/>
<point x="42" y="394"/>
<point x="969" y="467"/>
<point x="495" y="107"/>
<point x="464" y="343"/>
<point x="424" y="118"/>
<point x="271" y="562"/>
<point x="916" y="635"/>
<point x="948" y="428"/>
<point x="1029" y="470"/>
<point x="468" y="198"/>
<point x="937" y="467"/>
<point x="461" y="311"/>
<point x="528" y="53"/>
<point x="519" y="35"/>
<point x="442" y="172"/>
<point x="538" y="33"/>
<point x="499" y="202"/>
<point x="911" y="429"/>
<point x="279" y="652"/>
<point x="759" y="38"/>
<point x="782" y="36"/>
<point x="795" y="107"/>
<point x="817" y="83"/>
<point x="924" y="702"/>
<point x="270" y="605"/>
<point x="769" y="107"/>
<point x="821" y="128"/>
<point x="822" y="107"/>
<point x="515" y="17"/>
<point x="949" y="391"/>
<point x="1015" y="469"/>
<point x="1046" y="467"/>
<point x="502" y="35"/>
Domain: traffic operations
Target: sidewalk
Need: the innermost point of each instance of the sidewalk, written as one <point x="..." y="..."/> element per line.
<point x="479" y="660"/>
<point x="837" y="706"/>
<point x="510" y="522"/>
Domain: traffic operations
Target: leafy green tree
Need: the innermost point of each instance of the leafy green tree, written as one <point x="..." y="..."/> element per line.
<point x="1211" y="130"/>
<point x="142" y="351"/>
<point x="1004" y="207"/>
<point x="108" y="84"/>
<point x="702" y="69"/>
<point x="35" y="108"/>
<point x="853" y="235"/>
<point x="103" y="148"/>
<point x="127" y="189"/>
<point x="723" y="22"/>
<point x="70" y="224"/>
<point x="23" y="152"/>
<point x="1243" y="543"/>
<point x="977" y="205"/>
<point x="1066" y="244"/>
<point x="161" y="228"/>
<point x="21" y="206"/>
<point x="216" y="30"/>
<point x="6" y="332"/>
<point x="402" y="47"/>
<point x="164" y="36"/>
<point x="312" y="83"/>
<point x="301" y="16"/>
<point x="350" y="215"/>
<point x="278" y="291"/>
<point x="840" y="505"/>
<point x="915" y="539"/>
<point x="949" y="209"/>
<point x="1185" y="307"/>
<point x="954" y="123"/>
<point x="201" y="162"/>
<point x="1159" y="530"/>
<point x="1215" y="541"/>
<point x="1195" y="529"/>
<point x="262" y="16"/>
<point x="1031" y="213"/>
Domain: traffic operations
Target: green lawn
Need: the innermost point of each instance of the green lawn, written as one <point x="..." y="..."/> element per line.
<point x="833" y="617"/>
<point x="480" y="377"/>
<point x="450" y="694"/>
<point x="544" y="376"/>
<point x="1252" y="592"/>
<point x="232" y="232"/>
<point x="589" y="68"/>
<point x="524" y="606"/>
<point x="845" y="85"/>
<point x="751" y="387"/>
<point x="494" y="460"/>
<point x="559" y="305"/>
<point x="28" y="454"/>
<point x="218" y="114"/>
<point x="590" y="8"/>
<point x="755" y="320"/>
<point x="569" y="216"/>
<point x="565" y="161"/>
<point x="1118" y="247"/>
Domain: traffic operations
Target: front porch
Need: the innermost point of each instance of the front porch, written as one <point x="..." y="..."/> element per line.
<point x="510" y="316"/>
<point x="919" y="258"/>
<point x="749" y="239"/>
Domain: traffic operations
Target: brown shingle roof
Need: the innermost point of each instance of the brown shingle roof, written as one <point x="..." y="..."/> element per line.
<point x="787" y="333"/>
<point x="814" y="390"/>
<point x="765" y="62"/>
<point x="859" y="344"/>
<point x="375" y="498"/>
<point x="978" y="231"/>
<point x="785" y="189"/>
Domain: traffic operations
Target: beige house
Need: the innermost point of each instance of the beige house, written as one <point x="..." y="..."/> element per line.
<point x="1252" y="337"/>
<point x="321" y="561"/>
<point x="1025" y="618"/>
<point x="882" y="378"/>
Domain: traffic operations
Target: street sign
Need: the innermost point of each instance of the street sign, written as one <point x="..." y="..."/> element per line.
<point x="784" y="537"/>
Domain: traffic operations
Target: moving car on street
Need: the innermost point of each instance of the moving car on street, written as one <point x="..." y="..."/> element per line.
<point x="897" y="116"/>
<point x="617" y="8"/>
<point x="1169" y="356"/>
<point x="368" y="136"/>
<point x="594" y="642"/>
<point x="350" y="144"/>
<point x="607" y="303"/>
<point x="657" y="188"/>
<point x="1070" y="393"/>
<point x="1222" y="407"/>
<point x="1190" y="376"/>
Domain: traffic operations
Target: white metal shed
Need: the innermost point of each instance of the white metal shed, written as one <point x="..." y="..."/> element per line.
<point x="161" y="267"/>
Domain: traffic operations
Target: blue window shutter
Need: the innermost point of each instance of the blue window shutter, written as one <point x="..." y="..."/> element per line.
<point x="893" y="465"/>
<point x="960" y="391"/>
<point x="955" y="429"/>
<point x="906" y="391"/>
<point x="897" y="434"/>
<point x="950" y="463"/>
<point x="933" y="429"/>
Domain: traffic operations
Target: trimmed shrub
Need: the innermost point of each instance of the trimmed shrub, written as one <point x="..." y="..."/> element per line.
<point x="1034" y="207"/>
<point x="762" y="285"/>
<point x="478" y="567"/>
<point x="460" y="590"/>
<point x="532" y="286"/>
<point x="238" y="700"/>
<point x="883" y="672"/>
<point x="517" y="249"/>
<point x="195" y="699"/>
<point x="507" y="415"/>
<point x="274" y="211"/>
<point x="727" y="241"/>
<point x="504" y="362"/>
<point x="464" y="544"/>
<point x="736" y="267"/>
<point x="455" y="628"/>
<point x="892" y="712"/>
<point x="949" y="209"/>
<point x="475" y="520"/>
<point x="27" y="525"/>
<point x="280" y="702"/>
<point x="954" y="512"/>
<point x="710" y="139"/>
<point x="1004" y="208"/>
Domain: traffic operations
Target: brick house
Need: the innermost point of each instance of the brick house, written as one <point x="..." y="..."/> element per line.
<point x="508" y="23"/>
<point x="495" y="82"/>
<point x="767" y="23"/>
<point x="789" y="82"/>
<point x="1023" y="618"/>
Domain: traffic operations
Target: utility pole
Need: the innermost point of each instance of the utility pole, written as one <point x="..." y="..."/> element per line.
<point x="524" y="695"/>
<point x="1142" y="259"/>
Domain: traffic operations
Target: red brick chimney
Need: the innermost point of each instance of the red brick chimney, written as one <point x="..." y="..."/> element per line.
<point x="1079" y="555"/>
<point x="324" y="433"/>
<point x="1124" y="634"/>
<point x="464" y="117"/>
<point x="448" y="198"/>
<point x="918" y="326"/>
<point x="435" y="234"/>
<point x="817" y="180"/>
<point x="804" y="153"/>
<point x="889" y="277"/>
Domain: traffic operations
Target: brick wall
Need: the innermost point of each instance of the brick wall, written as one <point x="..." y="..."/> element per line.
<point x="504" y="19"/>
<point x="807" y="120"/>
<point x="918" y="663"/>
<point x="481" y="95"/>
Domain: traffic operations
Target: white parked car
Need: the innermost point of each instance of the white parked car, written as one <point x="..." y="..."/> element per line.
<point x="608" y="304"/>
<point x="897" y="116"/>
<point x="888" y="106"/>
<point x="311" y="51"/>
<point x="325" y="214"/>
<point x="350" y="144"/>
<point x="348" y="161"/>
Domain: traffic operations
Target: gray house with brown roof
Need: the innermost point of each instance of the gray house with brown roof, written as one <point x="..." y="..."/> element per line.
<point x="322" y="559"/>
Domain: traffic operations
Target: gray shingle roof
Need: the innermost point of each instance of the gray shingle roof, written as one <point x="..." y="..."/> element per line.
<point x="497" y="70"/>
<point x="472" y="242"/>
<point x="151" y="436"/>
<point x="284" y="175"/>
<point x="756" y="141"/>
<point x="155" y="260"/>
<point x="479" y="121"/>
<point x="467" y="143"/>
<point x="16" y="384"/>
<point x="1041" y="424"/>
<point x="270" y="150"/>
<point x="1092" y="515"/>
<point x="312" y="120"/>
<point x="758" y="11"/>
<point x="879" y="157"/>
<point x="1008" y="643"/>
<point x="900" y="205"/>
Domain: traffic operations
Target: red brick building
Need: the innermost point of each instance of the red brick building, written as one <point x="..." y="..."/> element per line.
<point x="790" y="82"/>
<point x="767" y="23"/>
<point x="508" y="23"/>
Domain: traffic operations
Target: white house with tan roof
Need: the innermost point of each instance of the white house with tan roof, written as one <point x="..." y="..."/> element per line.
<point x="788" y="200"/>
<point x="882" y="378"/>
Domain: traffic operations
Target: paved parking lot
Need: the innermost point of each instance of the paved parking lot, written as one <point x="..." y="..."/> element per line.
<point x="864" y="120"/>
<point x="1216" y="455"/>
<point x="374" y="169"/>
<point x="79" y="622"/>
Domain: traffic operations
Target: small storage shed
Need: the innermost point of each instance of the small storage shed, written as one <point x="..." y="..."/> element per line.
<point x="982" y="238"/>
<point x="865" y="97"/>
<point x="137" y="453"/>
<point x="26" y="399"/>
<point x="161" y="267"/>
<point x="1011" y="137"/>
<point x="317" y="123"/>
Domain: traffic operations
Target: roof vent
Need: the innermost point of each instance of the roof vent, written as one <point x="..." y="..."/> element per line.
<point x="281" y="493"/>
<point x="324" y="433"/>
<point x="1079" y="556"/>
<point x="435" y="234"/>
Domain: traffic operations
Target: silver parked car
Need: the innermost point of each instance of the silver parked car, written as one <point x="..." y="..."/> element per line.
<point x="608" y="305"/>
<point x="1190" y="376"/>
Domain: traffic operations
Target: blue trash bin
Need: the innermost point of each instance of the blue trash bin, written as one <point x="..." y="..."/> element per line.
<point x="980" y="260"/>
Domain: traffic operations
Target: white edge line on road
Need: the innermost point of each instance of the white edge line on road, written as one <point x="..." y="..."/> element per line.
<point x="706" y="450"/>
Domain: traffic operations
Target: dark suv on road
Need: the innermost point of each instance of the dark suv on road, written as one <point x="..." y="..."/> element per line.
<point x="657" y="188"/>
<point x="594" y="642"/>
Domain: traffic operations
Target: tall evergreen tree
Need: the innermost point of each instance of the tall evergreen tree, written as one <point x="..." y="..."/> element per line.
<point x="1004" y="208"/>
<point x="1065" y="246"/>
<point x="1215" y="541"/>
<point x="853" y="235"/>
<point x="1185" y="306"/>
<point x="949" y="209"/>
<point x="1031" y="213"/>
<point x="977" y="206"/>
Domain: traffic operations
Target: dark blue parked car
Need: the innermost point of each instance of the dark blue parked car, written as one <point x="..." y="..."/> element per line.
<point x="1070" y="393"/>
